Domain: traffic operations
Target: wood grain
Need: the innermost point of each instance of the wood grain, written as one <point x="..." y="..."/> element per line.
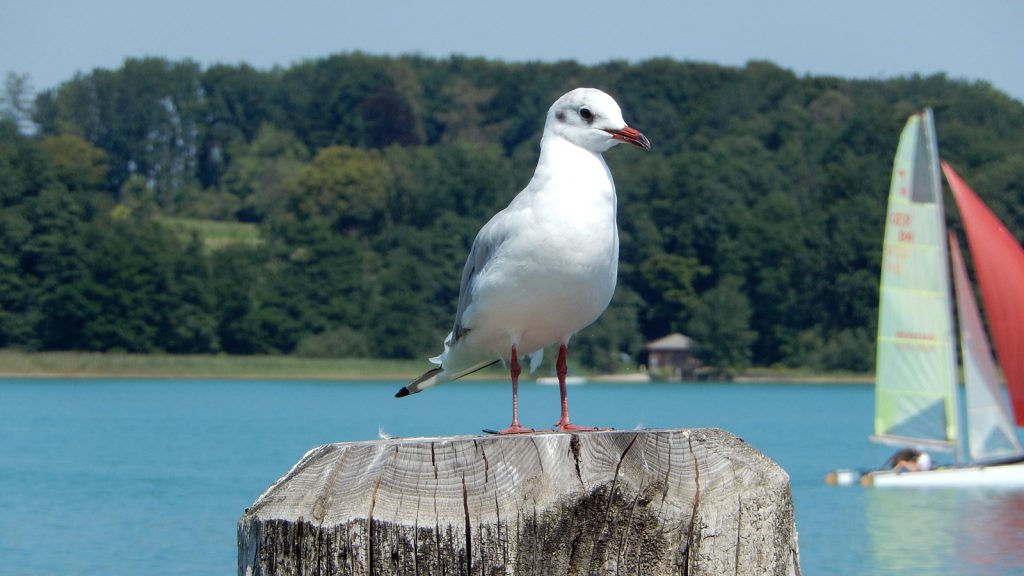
<point x="645" y="502"/>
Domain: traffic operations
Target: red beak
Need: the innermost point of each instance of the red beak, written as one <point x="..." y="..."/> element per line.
<point x="631" y="136"/>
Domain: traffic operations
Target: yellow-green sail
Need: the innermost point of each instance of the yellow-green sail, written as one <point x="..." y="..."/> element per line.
<point x="915" y="388"/>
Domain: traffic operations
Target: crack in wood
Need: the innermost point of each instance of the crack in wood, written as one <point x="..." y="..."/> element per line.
<point x="416" y="537"/>
<point x="497" y="508"/>
<point x="540" y="459"/>
<point x="668" y="466"/>
<point x="573" y="546"/>
<point x="437" y="515"/>
<point x="371" y="555"/>
<point x="497" y="529"/>
<point x="605" y="522"/>
<point x="739" y="531"/>
<point x="320" y="558"/>
<point x="693" y="513"/>
<point x="574" y="448"/>
<point x="437" y="542"/>
<point x="487" y="465"/>
<point x="615" y="478"/>
<point x="629" y="523"/>
<point x="469" y="529"/>
<point x="535" y="545"/>
<point x="433" y="460"/>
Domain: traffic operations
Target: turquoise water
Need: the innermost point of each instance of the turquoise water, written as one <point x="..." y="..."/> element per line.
<point x="132" y="477"/>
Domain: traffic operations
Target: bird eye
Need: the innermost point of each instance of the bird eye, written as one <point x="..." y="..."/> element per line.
<point x="586" y="114"/>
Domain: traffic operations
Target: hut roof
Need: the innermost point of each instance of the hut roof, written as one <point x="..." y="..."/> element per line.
<point x="674" y="341"/>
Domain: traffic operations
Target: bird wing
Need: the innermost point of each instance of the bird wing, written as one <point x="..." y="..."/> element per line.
<point x="485" y="247"/>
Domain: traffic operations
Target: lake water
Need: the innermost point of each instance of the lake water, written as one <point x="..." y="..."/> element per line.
<point x="125" y="477"/>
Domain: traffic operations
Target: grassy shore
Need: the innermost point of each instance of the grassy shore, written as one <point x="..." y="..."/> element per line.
<point x="81" y="364"/>
<point x="802" y="376"/>
<point x="90" y="365"/>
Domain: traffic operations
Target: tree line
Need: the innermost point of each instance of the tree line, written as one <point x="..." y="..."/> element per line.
<point x="754" y="225"/>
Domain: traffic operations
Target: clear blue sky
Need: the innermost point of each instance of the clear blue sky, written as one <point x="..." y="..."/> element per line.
<point x="972" y="39"/>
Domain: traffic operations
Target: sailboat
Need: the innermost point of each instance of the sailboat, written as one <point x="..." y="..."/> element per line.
<point x="916" y="380"/>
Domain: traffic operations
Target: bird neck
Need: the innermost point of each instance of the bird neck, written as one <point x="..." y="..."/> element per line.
<point x="563" y="163"/>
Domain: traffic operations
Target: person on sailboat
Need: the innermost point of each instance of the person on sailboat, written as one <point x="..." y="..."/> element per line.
<point x="924" y="461"/>
<point x="910" y="460"/>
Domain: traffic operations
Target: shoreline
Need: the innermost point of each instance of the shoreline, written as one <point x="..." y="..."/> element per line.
<point x="92" y="365"/>
<point x="843" y="379"/>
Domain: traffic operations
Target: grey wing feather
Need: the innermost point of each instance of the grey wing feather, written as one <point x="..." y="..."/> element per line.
<point x="484" y="247"/>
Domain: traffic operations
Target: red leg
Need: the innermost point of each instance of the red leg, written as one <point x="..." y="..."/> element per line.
<point x="563" y="423"/>
<point x="515" y="370"/>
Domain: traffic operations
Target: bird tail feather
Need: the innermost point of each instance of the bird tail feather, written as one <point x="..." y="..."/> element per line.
<point x="431" y="378"/>
<point x="426" y="380"/>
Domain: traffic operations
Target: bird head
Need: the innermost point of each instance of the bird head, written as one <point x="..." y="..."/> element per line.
<point x="592" y="120"/>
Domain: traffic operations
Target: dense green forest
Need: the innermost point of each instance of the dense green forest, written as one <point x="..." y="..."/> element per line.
<point x="326" y="209"/>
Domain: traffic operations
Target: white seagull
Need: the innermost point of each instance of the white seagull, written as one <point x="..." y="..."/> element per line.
<point x="545" y="267"/>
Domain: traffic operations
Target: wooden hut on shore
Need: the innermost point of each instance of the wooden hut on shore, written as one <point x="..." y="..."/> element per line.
<point x="672" y="357"/>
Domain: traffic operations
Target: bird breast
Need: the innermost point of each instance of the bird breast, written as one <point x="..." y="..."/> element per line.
<point x="558" y="272"/>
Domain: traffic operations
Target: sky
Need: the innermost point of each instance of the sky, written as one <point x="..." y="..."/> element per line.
<point x="51" y="40"/>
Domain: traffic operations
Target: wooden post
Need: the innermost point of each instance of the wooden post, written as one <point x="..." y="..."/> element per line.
<point x="644" y="502"/>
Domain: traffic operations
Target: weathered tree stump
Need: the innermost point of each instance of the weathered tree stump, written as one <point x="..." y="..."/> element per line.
<point x="645" y="502"/>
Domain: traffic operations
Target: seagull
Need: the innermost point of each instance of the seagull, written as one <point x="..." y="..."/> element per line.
<point x="545" y="267"/>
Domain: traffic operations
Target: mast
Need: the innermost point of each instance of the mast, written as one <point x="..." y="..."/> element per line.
<point x="932" y="145"/>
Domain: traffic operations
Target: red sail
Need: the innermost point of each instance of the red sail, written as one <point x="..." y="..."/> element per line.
<point x="999" y="266"/>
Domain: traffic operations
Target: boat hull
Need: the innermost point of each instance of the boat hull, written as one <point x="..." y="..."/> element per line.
<point x="998" y="476"/>
<point x="569" y="380"/>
